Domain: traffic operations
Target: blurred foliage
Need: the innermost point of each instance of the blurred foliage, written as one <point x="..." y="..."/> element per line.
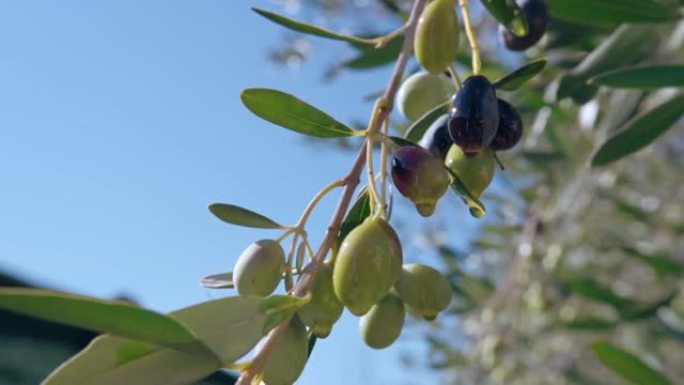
<point x="568" y="254"/>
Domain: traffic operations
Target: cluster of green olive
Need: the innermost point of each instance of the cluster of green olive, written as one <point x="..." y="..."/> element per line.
<point x="366" y="277"/>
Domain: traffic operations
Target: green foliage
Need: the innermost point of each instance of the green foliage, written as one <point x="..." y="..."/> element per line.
<point x="614" y="12"/>
<point x="237" y="215"/>
<point x="508" y="13"/>
<point x="648" y="77"/>
<point x="517" y="78"/>
<point x="627" y="365"/>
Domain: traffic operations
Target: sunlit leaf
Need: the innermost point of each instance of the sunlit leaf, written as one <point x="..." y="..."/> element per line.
<point x="415" y="132"/>
<point x="237" y="215"/>
<point x="287" y="111"/>
<point x="102" y="316"/>
<point x="517" y="78"/>
<point x="218" y="281"/>
<point x="231" y="327"/>
<point x="640" y="132"/>
<point x="655" y="76"/>
<point x="309" y="28"/>
<point x="614" y="12"/>
<point x="627" y="365"/>
<point x="509" y="14"/>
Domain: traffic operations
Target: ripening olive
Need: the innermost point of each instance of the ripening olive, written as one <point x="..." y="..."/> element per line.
<point x="324" y="309"/>
<point x="476" y="173"/>
<point x="474" y="115"/>
<point x="259" y="268"/>
<point x="368" y="264"/>
<point x="510" y="128"/>
<point x="424" y="290"/>
<point x="436" y="41"/>
<point x="420" y="177"/>
<point x="537" y="16"/>
<point x="288" y="357"/>
<point x="436" y="139"/>
<point x="421" y="92"/>
<point x="382" y="325"/>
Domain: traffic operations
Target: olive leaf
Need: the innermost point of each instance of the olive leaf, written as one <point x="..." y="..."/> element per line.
<point x="102" y="316"/>
<point x="237" y="215"/>
<point x="640" y="132"/>
<point x="627" y="365"/>
<point x="371" y="57"/>
<point x="517" y="78"/>
<point x="218" y="281"/>
<point x="660" y="264"/>
<point x="415" y="132"/>
<point x="590" y="324"/>
<point x="230" y="327"/>
<point x="655" y="76"/>
<point x="309" y="29"/>
<point x="614" y="12"/>
<point x="356" y="215"/>
<point x="509" y="14"/>
<point x="589" y="288"/>
<point x="477" y="209"/>
<point x="287" y="111"/>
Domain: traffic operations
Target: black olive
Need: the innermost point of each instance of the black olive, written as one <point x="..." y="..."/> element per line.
<point x="436" y="139"/>
<point x="510" y="128"/>
<point x="537" y="17"/>
<point x="474" y="115"/>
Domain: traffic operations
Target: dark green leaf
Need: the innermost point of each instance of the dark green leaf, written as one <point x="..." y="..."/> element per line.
<point x="231" y="327"/>
<point x="308" y="28"/>
<point x="218" y="281"/>
<point x="614" y="12"/>
<point x="593" y="290"/>
<point x="114" y="317"/>
<point x="356" y="215"/>
<point x="590" y="324"/>
<point x="655" y="76"/>
<point x="508" y="14"/>
<point x="415" y="132"/>
<point x="517" y="78"/>
<point x="627" y="365"/>
<point x="476" y="208"/>
<point x="287" y="111"/>
<point x="371" y="57"/>
<point x="660" y="264"/>
<point x="401" y="142"/>
<point x="640" y="132"/>
<point x="237" y="215"/>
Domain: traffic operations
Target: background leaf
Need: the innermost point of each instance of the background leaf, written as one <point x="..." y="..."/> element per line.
<point x="640" y="132"/>
<point x="415" y="132"/>
<point x="654" y="76"/>
<point x="371" y="57"/>
<point x="517" y="78"/>
<point x="287" y="111"/>
<point x="627" y="365"/>
<point x="509" y="14"/>
<point x="308" y="28"/>
<point x="237" y="215"/>
<point x="613" y="12"/>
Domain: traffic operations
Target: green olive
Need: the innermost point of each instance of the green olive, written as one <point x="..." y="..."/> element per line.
<point x="475" y="172"/>
<point x="436" y="42"/>
<point x="421" y="92"/>
<point x="424" y="289"/>
<point x="259" y="268"/>
<point x="381" y="326"/>
<point x="288" y="357"/>
<point x="368" y="264"/>
<point x="324" y="309"/>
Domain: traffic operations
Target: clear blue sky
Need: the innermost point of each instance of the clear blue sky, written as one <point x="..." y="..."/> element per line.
<point x="121" y="120"/>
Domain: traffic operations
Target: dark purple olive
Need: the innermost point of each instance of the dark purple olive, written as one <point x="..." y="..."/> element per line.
<point x="420" y="177"/>
<point x="537" y="17"/>
<point x="474" y="115"/>
<point x="436" y="139"/>
<point x="510" y="128"/>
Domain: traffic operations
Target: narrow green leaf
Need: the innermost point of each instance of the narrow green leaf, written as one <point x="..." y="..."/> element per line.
<point x="371" y="57"/>
<point x="627" y="365"/>
<point x="593" y="290"/>
<point x="114" y="317"/>
<point x="509" y="14"/>
<point x="647" y="77"/>
<point x="356" y="215"/>
<point x="476" y="208"/>
<point x="660" y="264"/>
<point x="590" y="324"/>
<point x="308" y="28"/>
<point x="640" y="132"/>
<point x="614" y="12"/>
<point x="287" y="111"/>
<point x="517" y="78"/>
<point x="218" y="281"/>
<point x="231" y="327"/>
<point x="237" y="215"/>
<point x="401" y="142"/>
<point x="415" y="132"/>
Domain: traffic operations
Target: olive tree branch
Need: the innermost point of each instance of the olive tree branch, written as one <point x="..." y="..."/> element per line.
<point x="351" y="182"/>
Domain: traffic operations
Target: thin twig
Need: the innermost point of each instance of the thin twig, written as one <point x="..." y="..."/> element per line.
<point x="351" y="181"/>
<point x="472" y="38"/>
